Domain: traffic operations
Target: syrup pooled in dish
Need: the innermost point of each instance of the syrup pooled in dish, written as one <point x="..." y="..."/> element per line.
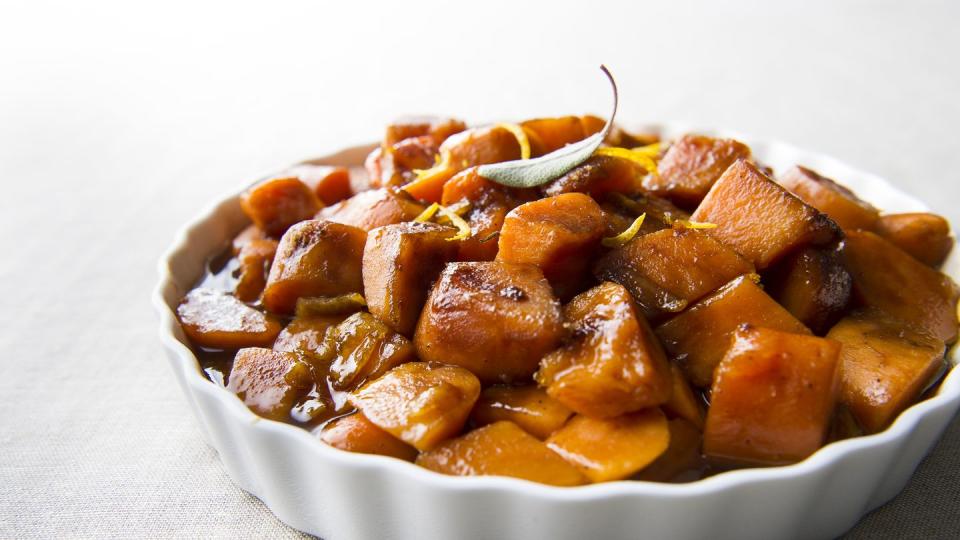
<point x="660" y="311"/>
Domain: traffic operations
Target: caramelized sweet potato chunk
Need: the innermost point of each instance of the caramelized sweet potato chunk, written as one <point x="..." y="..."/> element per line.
<point x="420" y="404"/>
<point x="365" y="349"/>
<point x="888" y="279"/>
<point x="275" y="205"/>
<point x="598" y="176"/>
<point x="216" y="320"/>
<point x="681" y="456"/>
<point x="885" y="367"/>
<point x="436" y="127"/>
<point x="269" y="382"/>
<point x="400" y="263"/>
<point x="558" y="234"/>
<point x="306" y="335"/>
<point x="555" y="133"/>
<point x="613" y="364"/>
<point x="527" y="406"/>
<point x="831" y="198"/>
<point x="355" y="433"/>
<point x="667" y="270"/>
<point x="395" y="165"/>
<point x="814" y="285"/>
<point x="374" y="208"/>
<point x="772" y="397"/>
<point x="683" y="402"/>
<point x="314" y="258"/>
<point x="758" y="218"/>
<point x="925" y="236"/>
<point x="255" y="258"/>
<point x="496" y="319"/>
<point x="691" y="166"/>
<point x="247" y="235"/>
<point x="697" y="338"/>
<point x="501" y="449"/>
<point x="612" y="448"/>
<point x="330" y="184"/>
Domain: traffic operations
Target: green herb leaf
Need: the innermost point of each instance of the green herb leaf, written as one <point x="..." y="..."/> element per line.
<point x="526" y="173"/>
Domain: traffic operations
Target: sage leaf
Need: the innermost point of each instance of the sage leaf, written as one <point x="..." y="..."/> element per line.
<point x="525" y="173"/>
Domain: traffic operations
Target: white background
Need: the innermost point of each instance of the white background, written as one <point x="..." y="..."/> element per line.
<point x="120" y="120"/>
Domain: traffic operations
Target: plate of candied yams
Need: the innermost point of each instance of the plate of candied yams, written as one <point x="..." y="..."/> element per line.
<point x="662" y="317"/>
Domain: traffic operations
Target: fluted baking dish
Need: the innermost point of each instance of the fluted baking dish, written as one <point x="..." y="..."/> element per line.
<point x="338" y="495"/>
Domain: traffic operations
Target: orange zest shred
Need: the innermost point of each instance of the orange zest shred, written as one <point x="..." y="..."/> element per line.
<point x="650" y="150"/>
<point x="688" y="224"/>
<point x="625" y="236"/>
<point x="639" y="158"/>
<point x="427" y="214"/>
<point x="521" y="136"/>
<point x="463" y="228"/>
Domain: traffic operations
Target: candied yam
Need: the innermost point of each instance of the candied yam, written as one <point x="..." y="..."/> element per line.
<point x="397" y="164"/>
<point x="772" y="398"/>
<point x="925" y="236"/>
<point x="698" y="338"/>
<point x="436" y="127"/>
<point x="555" y="133"/>
<point x="885" y="367"/>
<point x="374" y="208"/>
<point x="355" y="433"/>
<point x="612" y="448"/>
<point x="419" y="403"/>
<point x="888" y="279"/>
<point x="558" y="234"/>
<point x="598" y="176"/>
<point x="216" y="320"/>
<point x="314" y="258"/>
<point x="501" y="449"/>
<point x="306" y="335"/>
<point x="269" y="382"/>
<point x="758" y="218"/>
<point x="612" y="364"/>
<point x="842" y="205"/>
<point x="255" y="258"/>
<point x="496" y="319"/>
<point x="681" y="456"/>
<point x="683" y="402"/>
<point x="400" y="263"/>
<point x="331" y="184"/>
<point x="247" y="235"/>
<point x="667" y="270"/>
<point x="275" y="205"/>
<point x="814" y="286"/>
<point x="527" y="406"/>
<point x="691" y="166"/>
<point x="365" y="348"/>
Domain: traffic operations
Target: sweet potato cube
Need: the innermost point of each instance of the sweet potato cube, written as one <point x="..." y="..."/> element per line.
<point x="216" y="320"/>
<point x="925" y="236"/>
<point x="612" y="448"/>
<point x="247" y="235"/>
<point x="308" y="336"/>
<point x="831" y="198"/>
<point x="772" y="397"/>
<point x="814" y="286"/>
<point x="396" y="165"/>
<point x="275" y="205"/>
<point x="365" y="349"/>
<point x="501" y="449"/>
<point x="255" y="258"/>
<point x="759" y="219"/>
<point x="400" y="263"/>
<point x="886" y="278"/>
<point x="330" y="184"/>
<point x="374" y="208"/>
<point x="496" y="319"/>
<point x="436" y="127"/>
<point x="681" y="456"/>
<point x="691" y="166"/>
<point x="557" y="234"/>
<point x="612" y="364"/>
<point x="555" y="133"/>
<point x="885" y="367"/>
<point x="698" y="338"/>
<point x="419" y="403"/>
<point x="598" y="176"/>
<point x="269" y="382"/>
<point x="667" y="270"/>
<point x="526" y="406"/>
<point x="683" y="402"/>
<point x="355" y="433"/>
<point x="315" y="258"/>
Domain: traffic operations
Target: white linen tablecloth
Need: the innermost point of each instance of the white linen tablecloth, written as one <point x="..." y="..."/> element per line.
<point x="120" y="120"/>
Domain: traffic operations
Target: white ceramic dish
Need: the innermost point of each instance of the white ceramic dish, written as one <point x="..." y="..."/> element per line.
<point x="338" y="495"/>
